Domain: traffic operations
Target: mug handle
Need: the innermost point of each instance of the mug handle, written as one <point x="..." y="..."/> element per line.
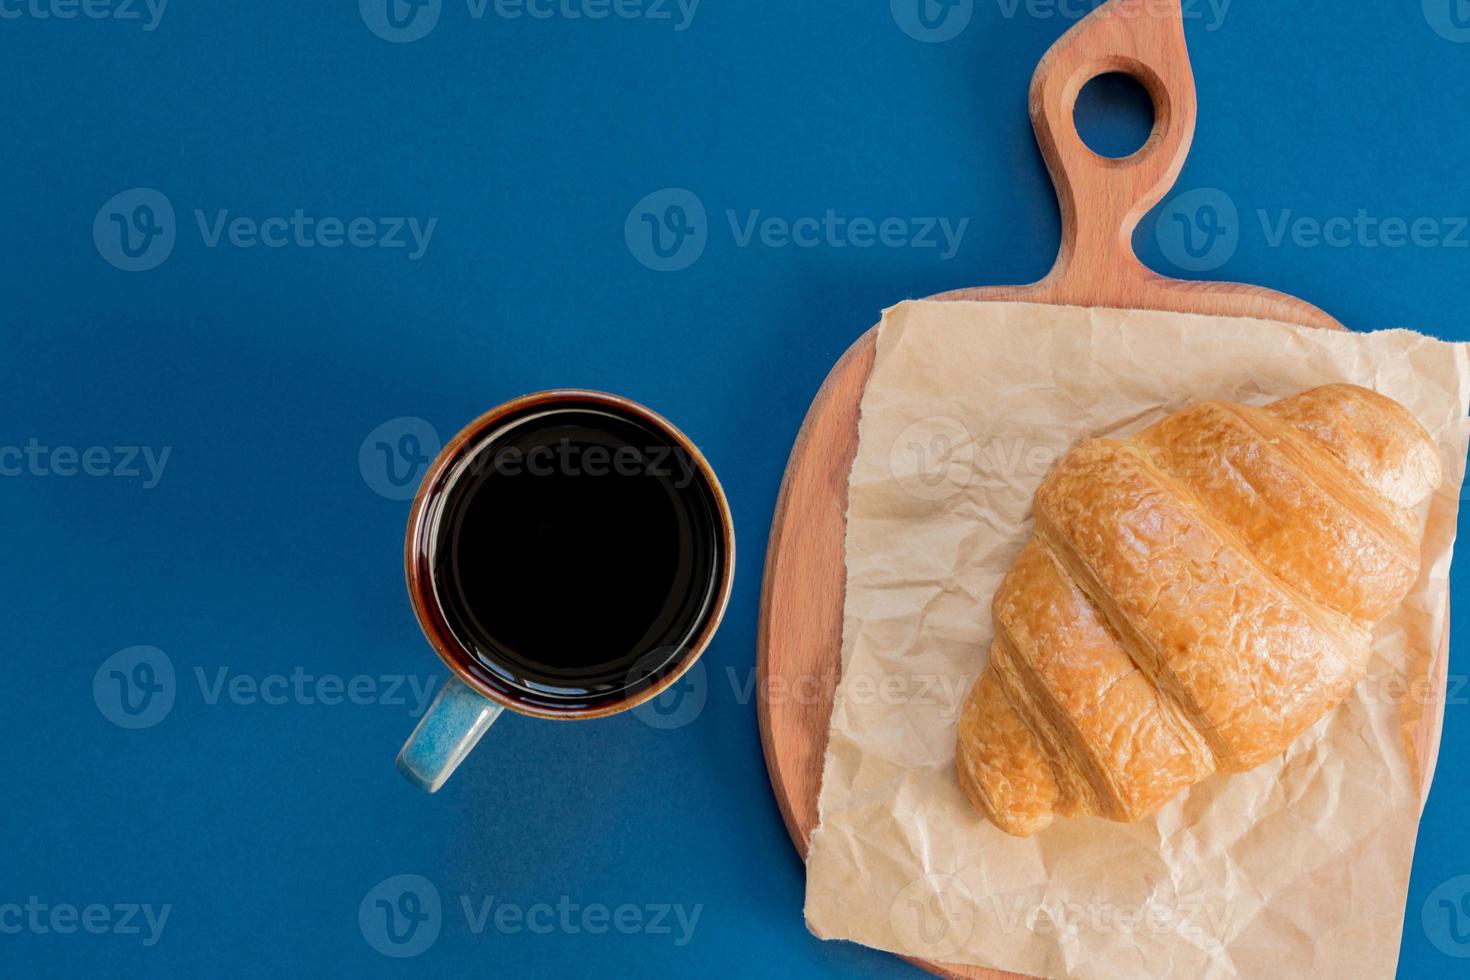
<point x="446" y="734"/>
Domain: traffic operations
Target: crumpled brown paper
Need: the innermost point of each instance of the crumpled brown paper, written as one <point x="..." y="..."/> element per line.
<point x="1299" y="868"/>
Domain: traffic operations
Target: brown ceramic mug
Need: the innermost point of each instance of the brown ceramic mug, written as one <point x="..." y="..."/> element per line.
<point x="569" y="555"/>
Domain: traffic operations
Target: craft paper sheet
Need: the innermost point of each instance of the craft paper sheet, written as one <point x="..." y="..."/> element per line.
<point x="1298" y="868"/>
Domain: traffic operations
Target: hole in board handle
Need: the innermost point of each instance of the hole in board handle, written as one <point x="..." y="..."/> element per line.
<point x="1114" y="115"/>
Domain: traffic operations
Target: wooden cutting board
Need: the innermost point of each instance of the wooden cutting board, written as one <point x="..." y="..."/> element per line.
<point x="1101" y="201"/>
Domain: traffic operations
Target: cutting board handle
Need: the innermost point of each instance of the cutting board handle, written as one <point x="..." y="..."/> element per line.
<point x="1102" y="199"/>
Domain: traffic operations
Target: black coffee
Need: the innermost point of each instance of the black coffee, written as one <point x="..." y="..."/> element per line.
<point x="578" y="556"/>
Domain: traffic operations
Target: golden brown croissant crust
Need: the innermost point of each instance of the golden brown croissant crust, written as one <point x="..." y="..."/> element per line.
<point x="1192" y="600"/>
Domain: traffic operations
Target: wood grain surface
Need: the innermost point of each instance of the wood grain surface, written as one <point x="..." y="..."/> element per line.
<point x="1101" y="202"/>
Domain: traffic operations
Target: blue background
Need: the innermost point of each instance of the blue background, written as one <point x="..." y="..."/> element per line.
<point x="264" y="550"/>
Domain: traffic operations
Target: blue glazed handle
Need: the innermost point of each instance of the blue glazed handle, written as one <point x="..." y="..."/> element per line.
<point x="446" y="734"/>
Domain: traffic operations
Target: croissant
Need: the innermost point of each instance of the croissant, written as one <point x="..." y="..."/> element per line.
<point x="1192" y="600"/>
